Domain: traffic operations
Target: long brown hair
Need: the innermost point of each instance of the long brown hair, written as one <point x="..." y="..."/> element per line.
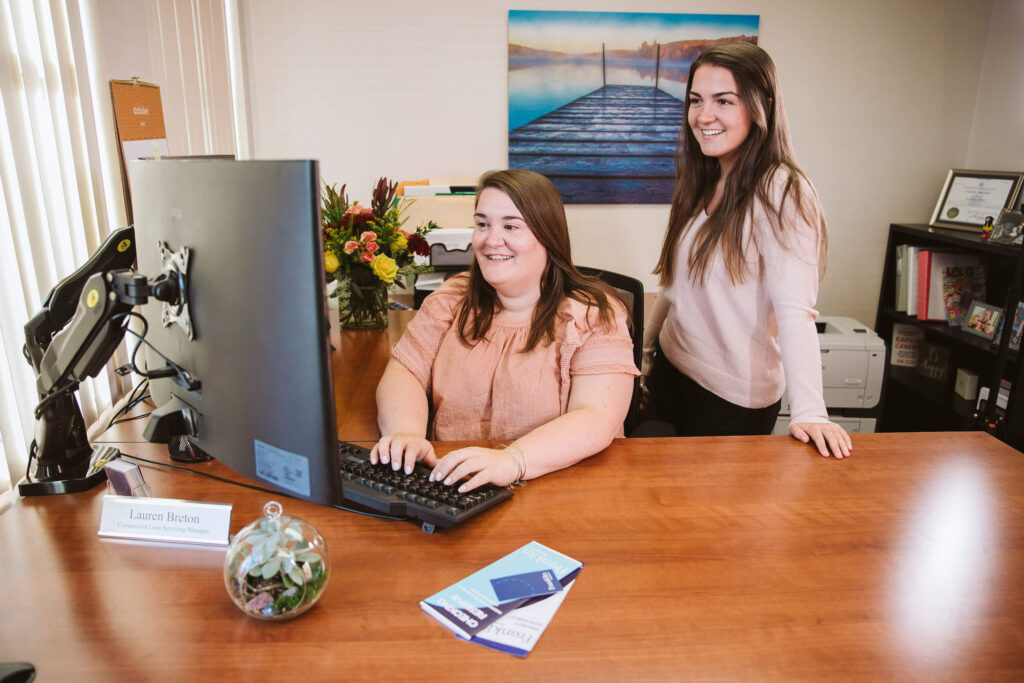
<point x="761" y="157"/>
<point x="541" y="207"/>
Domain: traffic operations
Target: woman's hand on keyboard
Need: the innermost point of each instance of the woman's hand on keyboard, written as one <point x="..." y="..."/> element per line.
<point x="487" y="465"/>
<point x="402" y="451"/>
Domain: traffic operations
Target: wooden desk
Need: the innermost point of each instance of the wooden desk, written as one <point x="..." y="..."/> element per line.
<point x="357" y="365"/>
<point x="728" y="558"/>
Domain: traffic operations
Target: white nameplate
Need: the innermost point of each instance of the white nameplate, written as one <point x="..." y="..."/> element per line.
<point x="165" y="519"/>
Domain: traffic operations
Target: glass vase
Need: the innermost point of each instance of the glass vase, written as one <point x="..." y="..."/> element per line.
<point x="277" y="567"/>
<point x="363" y="307"/>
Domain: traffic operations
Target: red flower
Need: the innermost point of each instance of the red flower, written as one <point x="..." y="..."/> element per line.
<point x="358" y="215"/>
<point x="418" y="245"/>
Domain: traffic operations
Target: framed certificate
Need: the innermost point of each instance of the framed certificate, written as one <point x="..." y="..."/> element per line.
<point x="968" y="197"/>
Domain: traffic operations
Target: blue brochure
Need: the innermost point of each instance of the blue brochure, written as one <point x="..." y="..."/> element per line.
<point x="524" y="575"/>
<point x="528" y="585"/>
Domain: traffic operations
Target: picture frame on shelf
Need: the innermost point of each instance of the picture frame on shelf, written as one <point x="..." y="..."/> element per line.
<point x="982" y="320"/>
<point x="934" y="362"/>
<point x="968" y="196"/>
<point x="1016" y="328"/>
<point x="1009" y="229"/>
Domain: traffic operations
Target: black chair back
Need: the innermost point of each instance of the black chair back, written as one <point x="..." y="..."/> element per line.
<point x="631" y="292"/>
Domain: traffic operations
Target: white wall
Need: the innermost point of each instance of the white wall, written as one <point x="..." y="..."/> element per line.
<point x="881" y="96"/>
<point x="126" y="41"/>
<point x="997" y="136"/>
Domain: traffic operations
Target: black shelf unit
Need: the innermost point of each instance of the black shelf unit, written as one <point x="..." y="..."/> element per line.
<point x="911" y="402"/>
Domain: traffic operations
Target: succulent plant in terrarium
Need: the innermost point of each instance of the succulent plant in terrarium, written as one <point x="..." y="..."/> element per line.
<point x="276" y="567"/>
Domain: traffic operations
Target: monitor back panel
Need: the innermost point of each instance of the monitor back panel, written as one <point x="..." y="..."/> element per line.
<point x="261" y="349"/>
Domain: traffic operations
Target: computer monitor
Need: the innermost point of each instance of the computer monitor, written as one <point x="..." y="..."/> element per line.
<point x="258" y="314"/>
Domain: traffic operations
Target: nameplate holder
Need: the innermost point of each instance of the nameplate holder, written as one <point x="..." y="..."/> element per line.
<point x="165" y="520"/>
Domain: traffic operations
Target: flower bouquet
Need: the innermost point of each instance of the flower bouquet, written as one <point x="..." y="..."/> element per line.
<point x="366" y="252"/>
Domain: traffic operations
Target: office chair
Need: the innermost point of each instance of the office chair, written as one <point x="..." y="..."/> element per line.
<point x="631" y="292"/>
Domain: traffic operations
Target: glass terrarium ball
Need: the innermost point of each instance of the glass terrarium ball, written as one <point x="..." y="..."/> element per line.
<point x="277" y="567"/>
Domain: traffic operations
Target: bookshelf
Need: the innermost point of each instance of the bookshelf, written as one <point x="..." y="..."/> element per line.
<point x="911" y="402"/>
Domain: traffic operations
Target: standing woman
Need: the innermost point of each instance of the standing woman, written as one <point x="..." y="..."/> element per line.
<point x="733" y="325"/>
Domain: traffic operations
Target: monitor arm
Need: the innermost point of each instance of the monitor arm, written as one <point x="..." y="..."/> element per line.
<point x="82" y="321"/>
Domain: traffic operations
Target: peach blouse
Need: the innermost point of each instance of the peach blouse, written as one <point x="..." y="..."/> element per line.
<point x="491" y="390"/>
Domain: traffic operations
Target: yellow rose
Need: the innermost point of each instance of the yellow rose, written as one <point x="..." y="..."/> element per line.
<point x="384" y="267"/>
<point x="331" y="262"/>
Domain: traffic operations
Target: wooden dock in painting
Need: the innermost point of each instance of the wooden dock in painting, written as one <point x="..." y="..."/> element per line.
<point x="615" y="145"/>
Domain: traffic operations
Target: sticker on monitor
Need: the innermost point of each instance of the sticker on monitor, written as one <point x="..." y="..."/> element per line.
<point x="284" y="469"/>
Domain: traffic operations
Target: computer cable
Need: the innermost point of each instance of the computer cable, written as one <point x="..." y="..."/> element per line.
<point x="131" y="402"/>
<point x="174" y="368"/>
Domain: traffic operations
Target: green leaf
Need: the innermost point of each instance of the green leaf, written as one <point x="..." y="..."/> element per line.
<point x="297" y="576"/>
<point x="264" y="550"/>
<point x="271" y="568"/>
<point x="308" y="557"/>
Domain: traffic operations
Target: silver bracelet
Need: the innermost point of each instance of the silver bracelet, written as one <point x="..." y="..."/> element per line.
<point x="520" y="459"/>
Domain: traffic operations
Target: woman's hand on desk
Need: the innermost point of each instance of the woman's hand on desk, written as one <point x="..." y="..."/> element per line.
<point x="645" y="393"/>
<point x="826" y="437"/>
<point x="402" y="451"/>
<point x="487" y="465"/>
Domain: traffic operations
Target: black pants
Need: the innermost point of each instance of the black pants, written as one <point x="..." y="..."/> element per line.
<point x="695" y="411"/>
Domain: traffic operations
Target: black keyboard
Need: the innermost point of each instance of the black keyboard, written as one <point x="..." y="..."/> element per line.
<point x="381" y="488"/>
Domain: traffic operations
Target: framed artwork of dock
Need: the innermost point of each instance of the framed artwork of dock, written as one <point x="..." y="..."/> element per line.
<point x="595" y="99"/>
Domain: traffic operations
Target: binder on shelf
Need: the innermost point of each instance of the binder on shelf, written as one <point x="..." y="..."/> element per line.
<point x="910" y="266"/>
<point x="901" y="279"/>
<point x="924" y="263"/>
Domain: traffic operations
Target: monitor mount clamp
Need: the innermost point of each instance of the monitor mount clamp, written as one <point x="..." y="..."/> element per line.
<point x="81" y="323"/>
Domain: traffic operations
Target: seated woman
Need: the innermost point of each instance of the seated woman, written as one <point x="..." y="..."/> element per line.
<point x="523" y="349"/>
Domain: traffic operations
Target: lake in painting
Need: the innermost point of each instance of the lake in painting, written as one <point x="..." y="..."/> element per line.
<point x="595" y="98"/>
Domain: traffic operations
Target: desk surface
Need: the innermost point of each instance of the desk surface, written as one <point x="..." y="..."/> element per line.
<point x="727" y="558"/>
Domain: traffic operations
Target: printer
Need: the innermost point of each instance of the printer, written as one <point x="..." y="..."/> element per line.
<point x="852" y="360"/>
<point x="450" y="203"/>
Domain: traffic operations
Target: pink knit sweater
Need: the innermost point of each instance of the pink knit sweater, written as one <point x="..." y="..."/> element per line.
<point x="748" y="342"/>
